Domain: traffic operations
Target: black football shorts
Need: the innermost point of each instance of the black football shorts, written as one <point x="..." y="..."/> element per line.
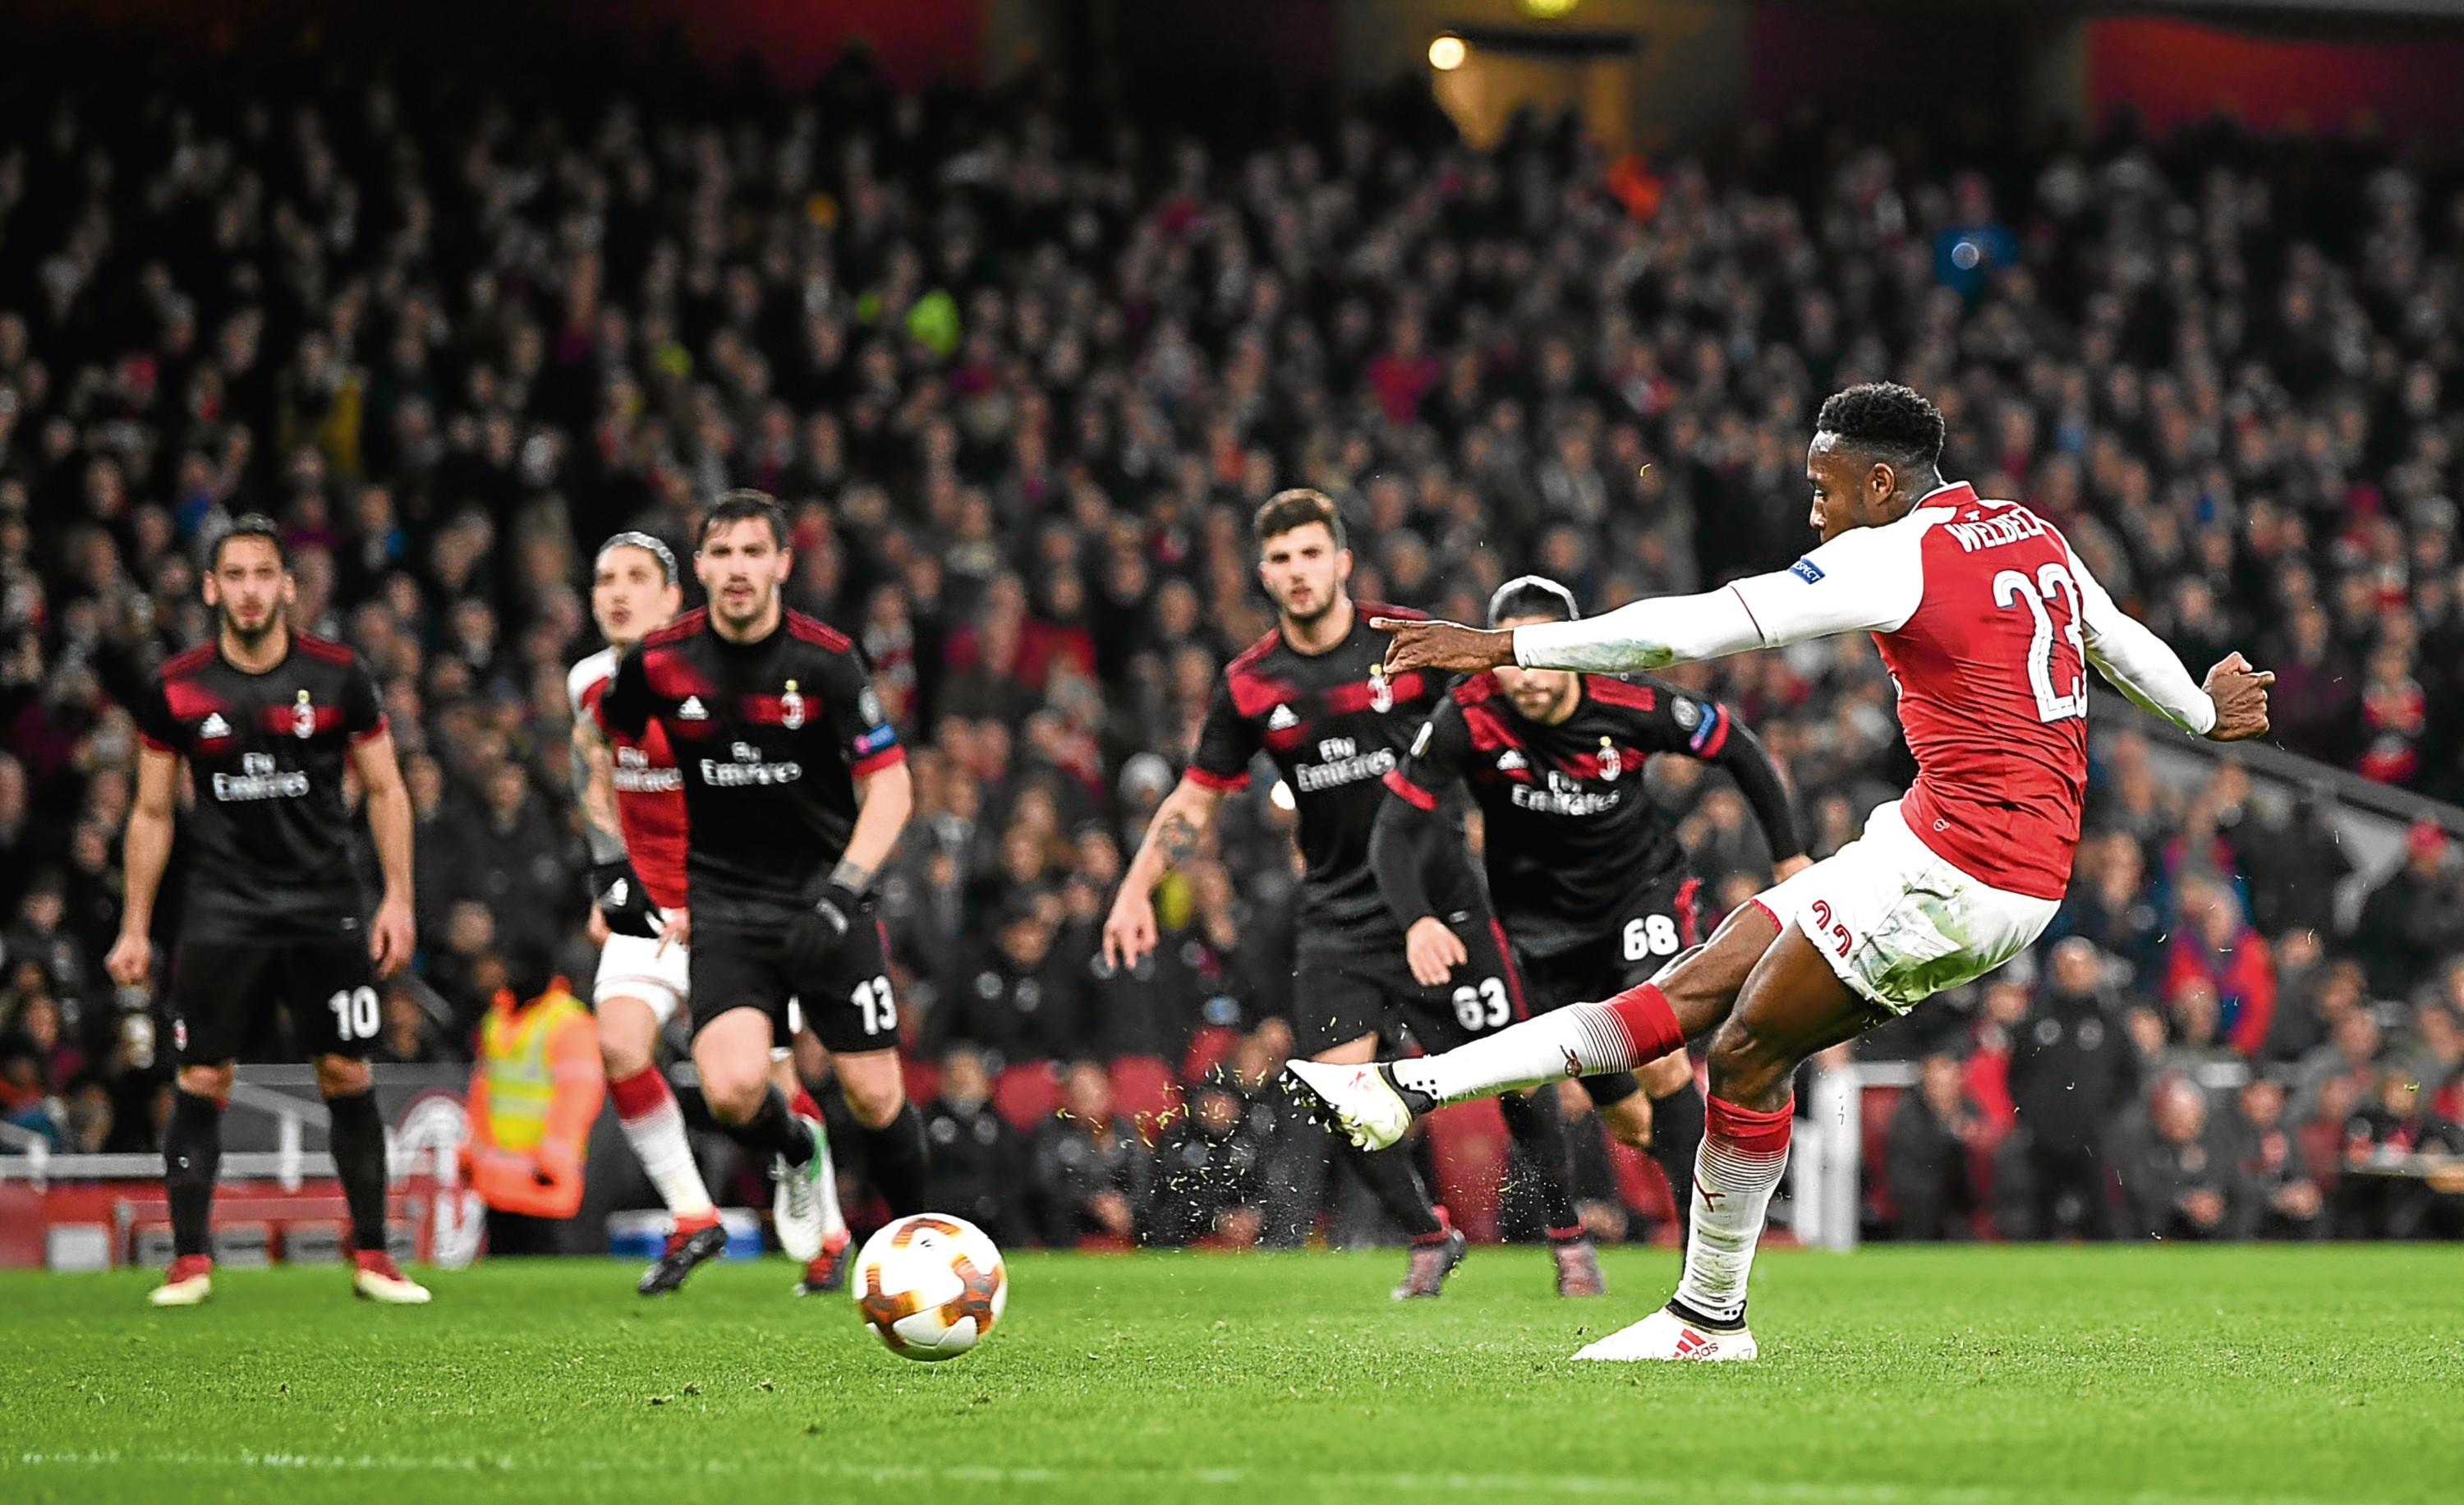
<point x="1339" y="995"/>
<point x="845" y="1001"/>
<point x="225" y="996"/>
<point x="1663" y="922"/>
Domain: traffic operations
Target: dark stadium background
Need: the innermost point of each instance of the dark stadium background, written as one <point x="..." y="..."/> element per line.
<point x="1020" y="308"/>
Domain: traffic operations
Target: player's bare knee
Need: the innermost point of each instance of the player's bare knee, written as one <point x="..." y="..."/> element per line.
<point x="1745" y="1066"/>
<point x="873" y="1095"/>
<point x="621" y="1055"/>
<point x="1628" y="1121"/>
<point x="207" y="1081"/>
<point x="342" y="1075"/>
<point x="1665" y="1076"/>
<point x="733" y="1098"/>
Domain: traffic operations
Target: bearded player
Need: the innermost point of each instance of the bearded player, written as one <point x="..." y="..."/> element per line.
<point x="269" y="719"/>
<point x="796" y="790"/>
<point x="643" y="979"/>
<point x="1313" y="695"/>
<point x="1587" y="878"/>
<point x="1988" y="623"/>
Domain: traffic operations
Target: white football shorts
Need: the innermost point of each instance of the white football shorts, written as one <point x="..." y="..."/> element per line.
<point x="1897" y="922"/>
<point x="633" y="967"/>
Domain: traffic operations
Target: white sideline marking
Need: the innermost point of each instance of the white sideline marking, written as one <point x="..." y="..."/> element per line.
<point x="1403" y="1483"/>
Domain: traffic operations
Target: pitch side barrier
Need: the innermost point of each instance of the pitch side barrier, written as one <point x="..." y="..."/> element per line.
<point x="1827" y="1159"/>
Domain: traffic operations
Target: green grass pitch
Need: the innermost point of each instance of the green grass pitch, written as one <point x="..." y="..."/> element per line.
<point x="1975" y="1376"/>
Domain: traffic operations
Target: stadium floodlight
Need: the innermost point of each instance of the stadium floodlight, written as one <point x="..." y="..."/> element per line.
<point x="1446" y="54"/>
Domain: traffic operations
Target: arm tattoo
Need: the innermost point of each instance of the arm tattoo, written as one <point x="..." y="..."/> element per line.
<point x="1176" y="838"/>
<point x="854" y="874"/>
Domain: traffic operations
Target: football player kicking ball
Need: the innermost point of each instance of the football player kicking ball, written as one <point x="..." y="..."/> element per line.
<point x="795" y="790"/>
<point x="637" y="880"/>
<point x="1988" y="623"/>
<point x="1313" y="695"/>
<point x="268" y="719"/>
<point x="1588" y="879"/>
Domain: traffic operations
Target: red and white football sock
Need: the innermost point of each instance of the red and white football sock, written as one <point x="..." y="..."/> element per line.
<point x="1744" y="1151"/>
<point x="827" y="1184"/>
<point x="1616" y="1035"/>
<point x="655" y="1127"/>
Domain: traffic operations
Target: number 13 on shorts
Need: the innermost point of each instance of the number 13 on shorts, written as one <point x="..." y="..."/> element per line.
<point x="874" y="1006"/>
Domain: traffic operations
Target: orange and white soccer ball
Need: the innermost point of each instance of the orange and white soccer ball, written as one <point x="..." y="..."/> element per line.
<point x="929" y="1286"/>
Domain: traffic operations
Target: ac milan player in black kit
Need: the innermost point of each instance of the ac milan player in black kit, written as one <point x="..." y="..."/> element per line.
<point x="1589" y="880"/>
<point x="268" y="719"/>
<point x="1314" y="695"/>
<point x="796" y="790"/>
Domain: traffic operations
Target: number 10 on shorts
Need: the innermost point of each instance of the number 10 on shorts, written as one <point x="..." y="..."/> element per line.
<point x="355" y="1013"/>
<point x="1650" y="936"/>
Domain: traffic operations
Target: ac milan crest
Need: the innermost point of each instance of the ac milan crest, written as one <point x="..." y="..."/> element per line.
<point x="303" y="719"/>
<point x="1381" y="694"/>
<point x="791" y="708"/>
<point x="1611" y="764"/>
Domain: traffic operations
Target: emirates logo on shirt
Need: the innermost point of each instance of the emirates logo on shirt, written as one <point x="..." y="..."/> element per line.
<point x="791" y="708"/>
<point x="303" y="719"/>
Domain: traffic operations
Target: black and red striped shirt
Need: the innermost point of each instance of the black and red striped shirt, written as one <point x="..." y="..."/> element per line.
<point x="269" y="835"/>
<point x="770" y="737"/>
<point x="1335" y="726"/>
<point x="1571" y="839"/>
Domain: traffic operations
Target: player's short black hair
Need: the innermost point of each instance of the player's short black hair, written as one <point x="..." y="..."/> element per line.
<point x="1298" y="508"/>
<point x="744" y="502"/>
<point x="251" y="525"/>
<point x="1532" y="595"/>
<point x="1892" y="422"/>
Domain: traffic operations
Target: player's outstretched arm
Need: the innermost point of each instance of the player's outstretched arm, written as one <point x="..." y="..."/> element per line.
<point x="393" y="933"/>
<point x="1178" y="823"/>
<point x="2149" y="673"/>
<point x="1866" y="580"/>
<point x="149" y="849"/>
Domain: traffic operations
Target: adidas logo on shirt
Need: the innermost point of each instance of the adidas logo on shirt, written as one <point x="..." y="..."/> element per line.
<point x="691" y="711"/>
<point x="1510" y="760"/>
<point x="213" y="726"/>
<point x="1281" y="719"/>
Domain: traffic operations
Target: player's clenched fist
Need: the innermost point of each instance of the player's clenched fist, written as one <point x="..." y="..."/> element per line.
<point x="1442" y="645"/>
<point x="2240" y="695"/>
<point x="131" y="960"/>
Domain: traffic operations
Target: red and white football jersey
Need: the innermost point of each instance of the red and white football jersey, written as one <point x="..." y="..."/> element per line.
<point x="650" y="789"/>
<point x="1988" y="623"/>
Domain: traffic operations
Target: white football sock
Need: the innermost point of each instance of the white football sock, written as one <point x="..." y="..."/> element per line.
<point x="1735" y="1173"/>
<point x="827" y="1185"/>
<point x="658" y="1138"/>
<point x="1584" y="1040"/>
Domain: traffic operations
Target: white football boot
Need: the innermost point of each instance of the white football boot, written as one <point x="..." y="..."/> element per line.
<point x="1363" y="1103"/>
<point x="376" y="1277"/>
<point x="1664" y="1335"/>
<point x="796" y="1206"/>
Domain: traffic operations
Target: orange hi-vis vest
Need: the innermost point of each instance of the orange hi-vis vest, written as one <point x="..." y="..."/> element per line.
<point x="534" y="1094"/>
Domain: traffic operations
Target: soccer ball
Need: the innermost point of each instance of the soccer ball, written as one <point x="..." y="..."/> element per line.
<point x="929" y="1286"/>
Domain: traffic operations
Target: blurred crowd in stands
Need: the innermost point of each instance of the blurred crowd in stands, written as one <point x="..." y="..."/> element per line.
<point x="1019" y="379"/>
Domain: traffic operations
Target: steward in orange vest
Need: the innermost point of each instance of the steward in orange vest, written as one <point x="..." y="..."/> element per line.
<point x="534" y="1095"/>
